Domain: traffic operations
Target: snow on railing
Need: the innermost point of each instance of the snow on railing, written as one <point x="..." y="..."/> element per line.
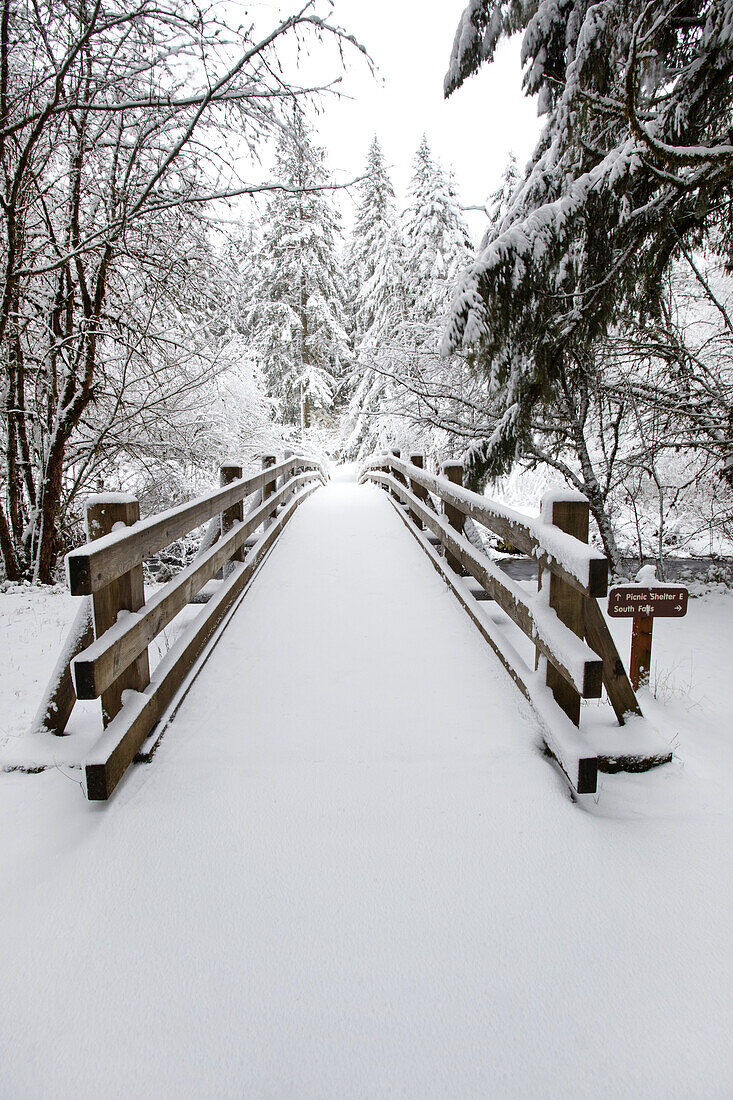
<point x="580" y="565"/>
<point x="563" y="620"/>
<point x="108" y="572"/>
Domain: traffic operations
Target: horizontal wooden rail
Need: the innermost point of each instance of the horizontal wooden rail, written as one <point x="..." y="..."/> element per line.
<point x="98" y="563"/>
<point x="114" y="752"/>
<point x="572" y="658"/>
<point x="578" y="564"/>
<point x="100" y="664"/>
<point x="575" y="653"/>
<point x="564" y="741"/>
<point x="106" y="653"/>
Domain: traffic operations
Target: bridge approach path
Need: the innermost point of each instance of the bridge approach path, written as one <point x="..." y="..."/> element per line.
<point x="351" y="872"/>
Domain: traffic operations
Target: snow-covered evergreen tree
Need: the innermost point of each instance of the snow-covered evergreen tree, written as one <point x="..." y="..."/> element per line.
<point x="374" y="222"/>
<point x="297" y="319"/>
<point x="632" y="171"/>
<point x="437" y="242"/>
<point x="407" y="299"/>
<point x="500" y="200"/>
<point x="380" y="353"/>
<point x="375" y="277"/>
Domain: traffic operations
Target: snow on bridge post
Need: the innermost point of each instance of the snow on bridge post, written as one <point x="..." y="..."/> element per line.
<point x="125" y="593"/>
<point x="454" y="472"/>
<point x="397" y="475"/>
<point x="60" y="697"/>
<point x="229" y="472"/>
<point x="569" y="513"/>
<point x="269" y="487"/>
<point x="418" y="490"/>
<point x="286" y="477"/>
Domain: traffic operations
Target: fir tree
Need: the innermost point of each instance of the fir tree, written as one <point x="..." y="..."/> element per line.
<point x="380" y="353"/>
<point x="501" y="199"/>
<point x="298" y="320"/>
<point x="373" y="224"/>
<point x="407" y="299"/>
<point x="375" y="280"/>
<point x="437" y="242"/>
<point x="634" y="168"/>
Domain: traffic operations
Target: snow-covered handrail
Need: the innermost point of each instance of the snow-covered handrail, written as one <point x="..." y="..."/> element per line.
<point x="575" y="562"/>
<point x="563" y="621"/>
<point x="107" y="571"/>
<point x="575" y="661"/>
<point x="97" y="563"/>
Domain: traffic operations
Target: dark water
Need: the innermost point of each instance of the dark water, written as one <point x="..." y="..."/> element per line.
<point x="523" y="569"/>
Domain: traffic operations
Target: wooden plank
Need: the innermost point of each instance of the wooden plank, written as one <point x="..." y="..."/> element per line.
<point x="417" y="490"/>
<point x="93" y="566"/>
<point x="453" y="471"/>
<point x="268" y="463"/>
<point x="508" y="596"/>
<point x="59" y="698"/>
<point x="632" y="762"/>
<point x="641" y="650"/>
<point x="228" y="473"/>
<point x="125" y="593"/>
<point x="617" y="684"/>
<point x="398" y="476"/>
<point x="580" y="768"/>
<point x="512" y="530"/>
<point x="114" y="752"/>
<point x="286" y="454"/>
<point x="97" y="667"/>
<point x="572" y="517"/>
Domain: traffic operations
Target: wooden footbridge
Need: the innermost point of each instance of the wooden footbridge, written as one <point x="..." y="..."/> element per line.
<point x="554" y="644"/>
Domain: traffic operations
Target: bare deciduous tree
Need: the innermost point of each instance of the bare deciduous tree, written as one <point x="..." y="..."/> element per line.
<point x="118" y="122"/>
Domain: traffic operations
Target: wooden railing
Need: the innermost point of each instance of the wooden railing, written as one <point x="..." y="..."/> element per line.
<point x="563" y="620"/>
<point x="106" y="656"/>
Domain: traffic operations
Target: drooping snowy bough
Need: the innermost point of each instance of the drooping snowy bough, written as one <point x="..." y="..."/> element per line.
<point x="634" y="168"/>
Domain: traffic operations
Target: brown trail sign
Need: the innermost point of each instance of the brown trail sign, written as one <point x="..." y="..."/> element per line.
<point x="645" y="604"/>
<point x="662" y="602"/>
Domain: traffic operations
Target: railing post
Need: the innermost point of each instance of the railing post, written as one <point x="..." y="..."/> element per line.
<point x="126" y="593"/>
<point x="395" y="474"/>
<point x="269" y="487"/>
<point x="573" y="517"/>
<point x="286" y="477"/>
<point x="228" y="473"/>
<point x="417" y="490"/>
<point x="454" y="472"/>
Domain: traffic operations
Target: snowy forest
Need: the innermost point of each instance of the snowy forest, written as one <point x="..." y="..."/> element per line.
<point x="161" y="310"/>
<point x="366" y="549"/>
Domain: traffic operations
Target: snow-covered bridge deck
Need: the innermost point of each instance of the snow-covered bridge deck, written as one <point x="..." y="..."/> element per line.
<point x="351" y="872"/>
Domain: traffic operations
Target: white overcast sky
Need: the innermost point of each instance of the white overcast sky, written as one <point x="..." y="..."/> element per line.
<point x="473" y="132"/>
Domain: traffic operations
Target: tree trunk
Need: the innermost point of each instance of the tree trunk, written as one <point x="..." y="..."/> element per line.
<point x="48" y="512"/>
<point x="591" y="486"/>
<point x="12" y="572"/>
<point x="605" y="529"/>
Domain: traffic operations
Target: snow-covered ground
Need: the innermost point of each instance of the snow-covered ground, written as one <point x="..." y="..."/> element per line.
<point x="351" y="872"/>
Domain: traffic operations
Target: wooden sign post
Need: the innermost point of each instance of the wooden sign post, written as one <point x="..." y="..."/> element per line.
<point x="645" y="604"/>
